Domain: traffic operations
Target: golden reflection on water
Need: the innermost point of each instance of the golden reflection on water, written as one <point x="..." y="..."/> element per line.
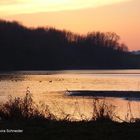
<point x="82" y="107"/>
<point x="50" y="89"/>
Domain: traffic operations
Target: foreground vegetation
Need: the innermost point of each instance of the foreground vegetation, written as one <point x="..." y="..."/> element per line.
<point x="37" y="122"/>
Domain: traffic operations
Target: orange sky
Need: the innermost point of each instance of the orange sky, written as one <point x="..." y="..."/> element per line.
<point x="80" y="16"/>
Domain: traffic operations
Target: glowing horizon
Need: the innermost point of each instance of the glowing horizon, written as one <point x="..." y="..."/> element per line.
<point x="79" y="16"/>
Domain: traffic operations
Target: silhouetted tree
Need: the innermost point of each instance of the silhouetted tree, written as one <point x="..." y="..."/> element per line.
<point x="48" y="48"/>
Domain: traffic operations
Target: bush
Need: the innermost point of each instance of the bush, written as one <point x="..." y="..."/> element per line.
<point x="23" y="109"/>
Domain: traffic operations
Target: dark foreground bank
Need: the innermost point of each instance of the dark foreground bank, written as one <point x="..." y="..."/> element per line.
<point x="61" y="130"/>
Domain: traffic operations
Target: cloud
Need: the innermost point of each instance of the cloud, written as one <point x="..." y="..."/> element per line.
<point x="11" y="2"/>
<point x="5" y="2"/>
<point x="34" y="6"/>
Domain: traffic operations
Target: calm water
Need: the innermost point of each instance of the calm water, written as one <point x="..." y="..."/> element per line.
<point x="50" y="87"/>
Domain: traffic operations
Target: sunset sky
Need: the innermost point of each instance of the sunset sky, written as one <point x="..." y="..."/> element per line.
<point x="80" y="16"/>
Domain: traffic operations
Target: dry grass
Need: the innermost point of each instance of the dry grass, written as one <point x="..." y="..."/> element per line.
<point x="103" y="111"/>
<point x="24" y="108"/>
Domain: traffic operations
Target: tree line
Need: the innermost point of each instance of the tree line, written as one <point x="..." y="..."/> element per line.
<point x="46" y="48"/>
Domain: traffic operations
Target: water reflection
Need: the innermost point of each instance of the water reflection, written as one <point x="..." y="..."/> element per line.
<point x="50" y="88"/>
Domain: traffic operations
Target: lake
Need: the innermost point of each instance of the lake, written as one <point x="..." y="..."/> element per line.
<point x="51" y="88"/>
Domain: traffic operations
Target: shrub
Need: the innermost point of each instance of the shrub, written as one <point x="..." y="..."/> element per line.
<point x="24" y="108"/>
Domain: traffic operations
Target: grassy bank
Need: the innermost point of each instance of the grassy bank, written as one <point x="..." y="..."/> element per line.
<point x="37" y="122"/>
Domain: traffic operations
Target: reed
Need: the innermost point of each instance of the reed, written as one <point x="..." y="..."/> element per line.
<point x="24" y="108"/>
